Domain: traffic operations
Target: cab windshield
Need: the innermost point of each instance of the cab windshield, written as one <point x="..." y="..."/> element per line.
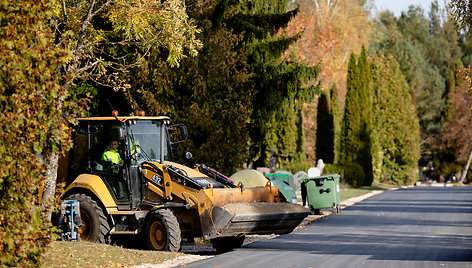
<point x="145" y="139"/>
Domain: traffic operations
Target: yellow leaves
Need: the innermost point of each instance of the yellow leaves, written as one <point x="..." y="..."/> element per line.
<point x="467" y="74"/>
<point x="154" y="24"/>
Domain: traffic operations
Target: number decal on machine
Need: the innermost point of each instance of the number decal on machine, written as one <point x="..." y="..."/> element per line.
<point x="156" y="179"/>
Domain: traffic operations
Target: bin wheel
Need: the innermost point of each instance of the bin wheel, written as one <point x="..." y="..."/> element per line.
<point x="338" y="208"/>
<point x="316" y="211"/>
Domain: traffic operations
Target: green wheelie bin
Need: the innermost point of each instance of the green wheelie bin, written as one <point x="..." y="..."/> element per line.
<point x="279" y="176"/>
<point x="321" y="192"/>
<point x="282" y="182"/>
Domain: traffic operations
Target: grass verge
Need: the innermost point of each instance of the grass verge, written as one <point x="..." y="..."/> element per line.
<point x="347" y="192"/>
<point x="87" y="254"/>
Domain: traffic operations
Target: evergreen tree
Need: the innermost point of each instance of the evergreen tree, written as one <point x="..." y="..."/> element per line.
<point x="209" y="93"/>
<point x="279" y="84"/>
<point x="335" y="113"/>
<point x="238" y="93"/>
<point x="366" y="101"/>
<point x="276" y="120"/>
<point x="427" y="49"/>
<point x="349" y="142"/>
<point x="356" y="130"/>
<point x="408" y="40"/>
<point x="395" y="125"/>
<point x="324" y="130"/>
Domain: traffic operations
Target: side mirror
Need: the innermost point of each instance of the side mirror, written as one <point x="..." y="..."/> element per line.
<point x="120" y="133"/>
<point x="183" y="132"/>
<point x="136" y="156"/>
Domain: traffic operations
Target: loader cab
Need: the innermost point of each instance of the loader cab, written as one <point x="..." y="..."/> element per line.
<point x="139" y="140"/>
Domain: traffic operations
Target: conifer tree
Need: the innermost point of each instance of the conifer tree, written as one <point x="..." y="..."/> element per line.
<point x="395" y="125"/>
<point x="356" y="130"/>
<point x="325" y="129"/>
<point x="238" y="92"/>
<point x="349" y="142"/>
<point x="279" y="83"/>
<point x="335" y="113"/>
<point x="365" y="94"/>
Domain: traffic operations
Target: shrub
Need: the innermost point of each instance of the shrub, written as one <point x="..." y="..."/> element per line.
<point x="332" y="169"/>
<point x="353" y="174"/>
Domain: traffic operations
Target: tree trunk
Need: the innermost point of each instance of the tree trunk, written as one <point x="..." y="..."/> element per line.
<point x="71" y="73"/>
<point x="466" y="168"/>
<point x="50" y="184"/>
<point x="53" y="162"/>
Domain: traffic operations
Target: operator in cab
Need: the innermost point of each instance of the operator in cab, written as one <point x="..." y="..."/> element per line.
<point x="111" y="154"/>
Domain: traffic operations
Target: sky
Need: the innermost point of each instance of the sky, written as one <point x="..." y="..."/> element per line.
<point x="397" y="6"/>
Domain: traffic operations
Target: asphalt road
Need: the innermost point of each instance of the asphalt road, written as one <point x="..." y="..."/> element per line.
<point x="413" y="227"/>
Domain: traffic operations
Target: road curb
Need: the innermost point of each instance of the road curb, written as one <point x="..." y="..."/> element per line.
<point x="354" y="200"/>
<point x="344" y="204"/>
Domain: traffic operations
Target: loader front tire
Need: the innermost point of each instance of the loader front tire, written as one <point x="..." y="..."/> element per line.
<point x="95" y="226"/>
<point x="163" y="231"/>
<point x="225" y="244"/>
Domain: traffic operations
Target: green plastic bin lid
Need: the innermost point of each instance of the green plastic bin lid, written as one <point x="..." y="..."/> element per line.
<point x="286" y="190"/>
<point x="253" y="178"/>
<point x="305" y="178"/>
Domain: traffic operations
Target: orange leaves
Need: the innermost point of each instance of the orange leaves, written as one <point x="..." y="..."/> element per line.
<point x="333" y="29"/>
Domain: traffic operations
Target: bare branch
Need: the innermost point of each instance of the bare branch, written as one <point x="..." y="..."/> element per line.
<point x="107" y="3"/>
<point x="87" y="67"/>
<point x="83" y="30"/>
<point x="64" y="12"/>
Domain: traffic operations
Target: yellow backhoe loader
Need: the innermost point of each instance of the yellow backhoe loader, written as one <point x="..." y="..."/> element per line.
<point x="148" y="192"/>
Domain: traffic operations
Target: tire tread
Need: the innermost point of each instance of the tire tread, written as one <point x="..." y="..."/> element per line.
<point x="104" y="235"/>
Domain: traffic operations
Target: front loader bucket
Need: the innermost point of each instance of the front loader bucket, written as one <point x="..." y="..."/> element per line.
<point x="235" y="219"/>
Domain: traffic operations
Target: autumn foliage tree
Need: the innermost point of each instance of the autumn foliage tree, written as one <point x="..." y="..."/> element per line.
<point x="29" y="127"/>
<point x="461" y="11"/>
<point x="458" y="124"/>
<point x="109" y="38"/>
<point x="330" y="31"/>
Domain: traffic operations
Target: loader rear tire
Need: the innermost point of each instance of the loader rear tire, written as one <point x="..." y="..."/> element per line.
<point x="225" y="244"/>
<point x="163" y="231"/>
<point x="95" y="226"/>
